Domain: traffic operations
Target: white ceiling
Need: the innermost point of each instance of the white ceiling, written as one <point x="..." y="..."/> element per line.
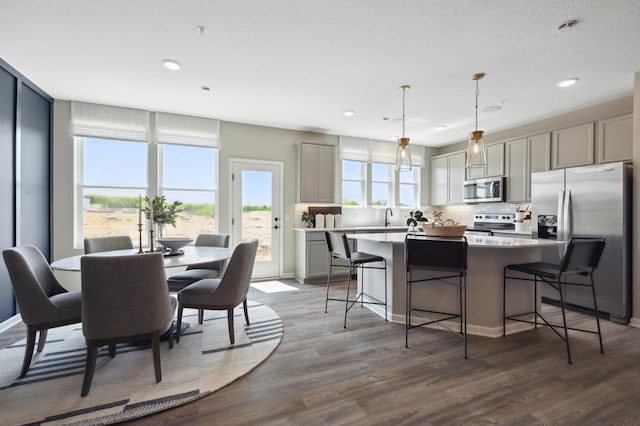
<point x="299" y="64"/>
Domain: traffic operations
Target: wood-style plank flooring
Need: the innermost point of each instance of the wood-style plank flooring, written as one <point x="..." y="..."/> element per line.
<point x="322" y="374"/>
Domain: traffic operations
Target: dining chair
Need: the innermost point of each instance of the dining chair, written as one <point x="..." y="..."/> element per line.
<point x="200" y="271"/>
<point x="222" y="293"/>
<point x="43" y="302"/>
<point x="99" y="244"/>
<point x="580" y="259"/>
<point x="438" y="261"/>
<point x="340" y="255"/>
<point x="124" y="299"/>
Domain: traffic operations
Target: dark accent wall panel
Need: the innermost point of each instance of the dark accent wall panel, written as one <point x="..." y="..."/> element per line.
<point x="34" y="171"/>
<point x="8" y="85"/>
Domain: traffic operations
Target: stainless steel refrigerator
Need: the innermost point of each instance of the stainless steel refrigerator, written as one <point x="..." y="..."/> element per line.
<point x="589" y="201"/>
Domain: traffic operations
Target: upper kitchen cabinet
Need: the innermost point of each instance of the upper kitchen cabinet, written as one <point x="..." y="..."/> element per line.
<point x="447" y="179"/>
<point x="316" y="173"/>
<point x="495" y="163"/>
<point x="573" y="146"/>
<point x="523" y="157"/>
<point x="615" y="139"/>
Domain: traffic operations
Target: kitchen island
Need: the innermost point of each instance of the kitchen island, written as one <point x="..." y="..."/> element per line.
<point x="487" y="257"/>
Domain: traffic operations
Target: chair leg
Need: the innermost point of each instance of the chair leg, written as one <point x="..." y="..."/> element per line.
<point x="504" y="302"/>
<point x="232" y="336"/>
<point x="246" y="311"/>
<point x="90" y="367"/>
<point x="179" y="324"/>
<point x="407" y="309"/>
<point x="171" y="336"/>
<point x="28" y="352"/>
<point x="42" y="339"/>
<point x="464" y="311"/>
<point x="595" y="307"/>
<point x="326" y="300"/>
<point x="385" y="290"/>
<point x="112" y="350"/>
<point x="155" y="344"/>
<point x="200" y="316"/>
<point x="564" y="322"/>
<point x="346" y="308"/>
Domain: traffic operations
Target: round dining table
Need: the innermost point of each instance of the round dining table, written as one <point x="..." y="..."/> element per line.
<point x="67" y="269"/>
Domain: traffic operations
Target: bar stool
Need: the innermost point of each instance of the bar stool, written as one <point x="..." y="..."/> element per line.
<point x="339" y="254"/>
<point x="581" y="258"/>
<point x="429" y="259"/>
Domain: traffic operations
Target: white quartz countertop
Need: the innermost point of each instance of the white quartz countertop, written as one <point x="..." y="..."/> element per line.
<point x="473" y="240"/>
<point x="399" y="228"/>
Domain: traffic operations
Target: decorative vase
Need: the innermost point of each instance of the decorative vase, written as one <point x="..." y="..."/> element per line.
<point x="159" y="229"/>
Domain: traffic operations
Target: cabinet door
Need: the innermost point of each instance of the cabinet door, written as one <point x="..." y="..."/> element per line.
<point x="615" y="139"/>
<point x="517" y="170"/>
<point x="540" y="152"/>
<point x="317" y="258"/>
<point x="308" y="172"/>
<point x="439" y="181"/>
<point x="326" y="174"/>
<point x="495" y="160"/>
<point x="572" y="146"/>
<point x="456" y="178"/>
<point x="476" y="172"/>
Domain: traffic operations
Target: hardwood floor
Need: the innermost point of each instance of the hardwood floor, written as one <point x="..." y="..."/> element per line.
<point x="323" y="374"/>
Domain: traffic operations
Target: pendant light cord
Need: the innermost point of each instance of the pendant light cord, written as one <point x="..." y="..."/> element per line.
<point x="477" y="93"/>
<point x="404" y="92"/>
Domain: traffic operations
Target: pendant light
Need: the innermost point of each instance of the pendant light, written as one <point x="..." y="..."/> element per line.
<point x="403" y="153"/>
<point x="476" y="156"/>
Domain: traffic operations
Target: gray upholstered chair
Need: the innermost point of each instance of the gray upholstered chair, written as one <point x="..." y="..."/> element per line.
<point x="124" y="299"/>
<point x="200" y="271"/>
<point x="225" y="293"/>
<point x="98" y="244"/>
<point x="43" y="302"/>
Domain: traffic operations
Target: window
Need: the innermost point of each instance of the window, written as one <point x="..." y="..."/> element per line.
<point x="381" y="184"/>
<point x="189" y="176"/>
<point x="113" y="176"/>
<point x="119" y="159"/>
<point x="353" y="183"/>
<point x="408" y="188"/>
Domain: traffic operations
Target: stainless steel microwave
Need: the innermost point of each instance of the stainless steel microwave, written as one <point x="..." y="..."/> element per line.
<point x="484" y="190"/>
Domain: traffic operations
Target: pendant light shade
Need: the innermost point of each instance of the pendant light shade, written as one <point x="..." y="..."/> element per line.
<point x="476" y="155"/>
<point x="403" y="153"/>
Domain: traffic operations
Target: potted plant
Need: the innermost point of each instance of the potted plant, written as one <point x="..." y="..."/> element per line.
<point x="164" y="213"/>
<point x="414" y="218"/>
<point x="307" y="219"/>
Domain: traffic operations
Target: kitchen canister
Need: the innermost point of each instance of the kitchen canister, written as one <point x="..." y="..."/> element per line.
<point x="337" y="220"/>
<point x="329" y="221"/>
<point x="320" y="221"/>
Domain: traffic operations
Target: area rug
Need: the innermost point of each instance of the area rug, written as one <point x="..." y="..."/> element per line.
<point x="124" y="387"/>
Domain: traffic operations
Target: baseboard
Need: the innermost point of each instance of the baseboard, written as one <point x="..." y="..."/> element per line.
<point x="634" y="322"/>
<point x="10" y="322"/>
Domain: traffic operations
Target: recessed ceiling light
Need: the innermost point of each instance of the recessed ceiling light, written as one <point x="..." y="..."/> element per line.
<point x="568" y="82"/>
<point x="567" y="24"/>
<point x="349" y="113"/>
<point x="206" y="88"/>
<point x="171" y="64"/>
<point x="492" y="108"/>
<point x="442" y="127"/>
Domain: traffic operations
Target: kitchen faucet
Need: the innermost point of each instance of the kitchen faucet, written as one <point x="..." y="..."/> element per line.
<point x="386" y="218"/>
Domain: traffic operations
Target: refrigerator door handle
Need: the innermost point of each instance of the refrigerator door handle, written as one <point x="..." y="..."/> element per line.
<point x="560" y="221"/>
<point x="566" y="216"/>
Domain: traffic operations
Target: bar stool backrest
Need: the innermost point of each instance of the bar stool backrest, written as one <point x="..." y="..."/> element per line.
<point x="437" y="254"/>
<point x="582" y="255"/>
<point x="338" y="244"/>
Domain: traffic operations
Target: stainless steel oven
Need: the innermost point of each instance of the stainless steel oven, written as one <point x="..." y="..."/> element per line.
<point x="484" y="190"/>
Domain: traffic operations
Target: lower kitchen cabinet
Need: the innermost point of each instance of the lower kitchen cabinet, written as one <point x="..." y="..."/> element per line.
<point x="312" y="257"/>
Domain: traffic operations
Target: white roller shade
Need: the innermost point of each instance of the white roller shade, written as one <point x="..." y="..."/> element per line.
<point x="182" y="129"/>
<point x="376" y="151"/>
<point x="102" y="121"/>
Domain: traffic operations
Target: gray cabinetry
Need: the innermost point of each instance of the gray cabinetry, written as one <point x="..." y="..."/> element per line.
<point x="615" y="139"/>
<point x="523" y="157"/>
<point x="447" y="178"/>
<point x="495" y="163"/>
<point x="572" y="146"/>
<point x="316" y="173"/>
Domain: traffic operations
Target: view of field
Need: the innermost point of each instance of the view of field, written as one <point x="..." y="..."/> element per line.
<point x="102" y="222"/>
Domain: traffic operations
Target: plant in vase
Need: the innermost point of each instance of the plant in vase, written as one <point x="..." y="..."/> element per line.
<point x="164" y="213"/>
<point x="307" y="219"/>
<point x="414" y="218"/>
